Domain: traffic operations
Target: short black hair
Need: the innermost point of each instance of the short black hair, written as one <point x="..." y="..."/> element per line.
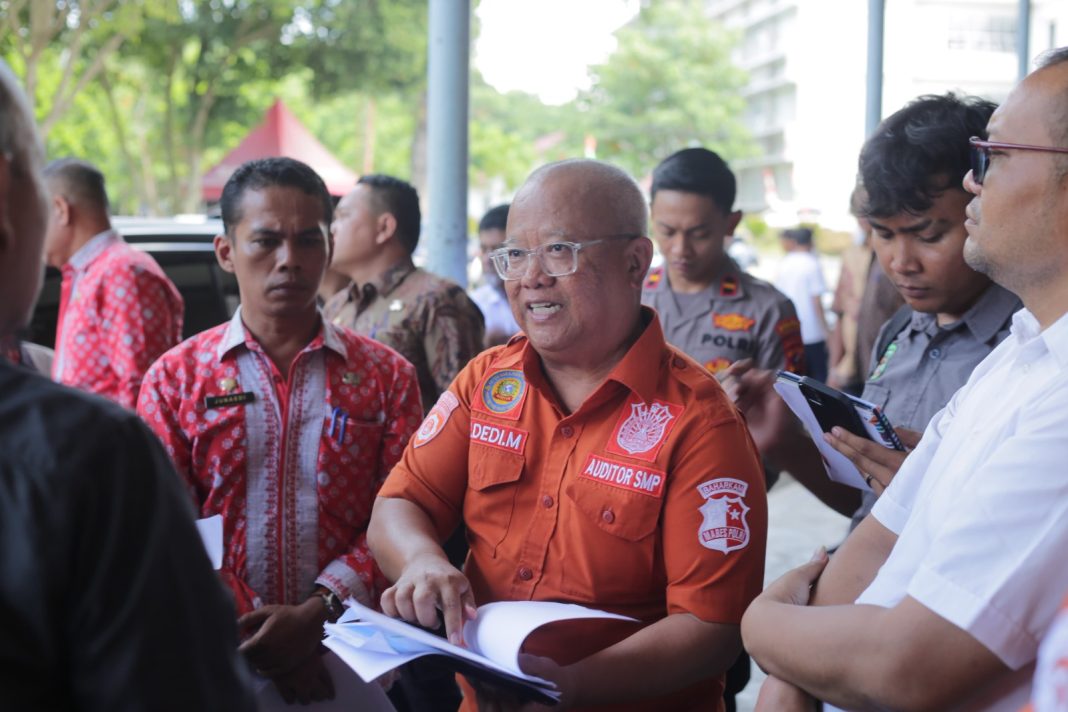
<point x="78" y="181"/>
<point x="495" y="219"/>
<point x="400" y="199"/>
<point x="700" y="171"/>
<point x="919" y="152"/>
<point x="800" y="235"/>
<point x="267" y="173"/>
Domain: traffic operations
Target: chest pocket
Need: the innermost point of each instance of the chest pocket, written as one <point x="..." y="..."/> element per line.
<point x="613" y="552"/>
<point x="492" y="482"/>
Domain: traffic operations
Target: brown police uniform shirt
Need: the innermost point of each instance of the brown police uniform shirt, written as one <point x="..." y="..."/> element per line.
<point x="647" y="500"/>
<point x="737" y="316"/>
<point x="427" y="319"/>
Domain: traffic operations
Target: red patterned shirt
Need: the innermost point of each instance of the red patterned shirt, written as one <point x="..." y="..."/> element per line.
<point x="292" y="464"/>
<point x="118" y="313"/>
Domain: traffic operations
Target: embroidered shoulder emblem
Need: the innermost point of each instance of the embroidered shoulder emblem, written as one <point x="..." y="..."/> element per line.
<point x="789" y="331"/>
<point x="503" y="394"/>
<point x="724" y="526"/>
<point x="435" y="420"/>
<point x="643" y="428"/>
<point x="732" y="322"/>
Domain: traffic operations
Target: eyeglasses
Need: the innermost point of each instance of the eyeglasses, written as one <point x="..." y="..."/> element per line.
<point x="981" y="154"/>
<point x="557" y="259"/>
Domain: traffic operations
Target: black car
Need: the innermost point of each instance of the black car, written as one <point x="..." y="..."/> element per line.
<point x="183" y="248"/>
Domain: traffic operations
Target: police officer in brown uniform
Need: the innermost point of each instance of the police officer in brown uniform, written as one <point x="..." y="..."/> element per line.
<point x="709" y="307"/>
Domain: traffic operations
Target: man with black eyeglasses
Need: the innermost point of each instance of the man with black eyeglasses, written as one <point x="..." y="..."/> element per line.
<point x="939" y="598"/>
<point x="591" y="463"/>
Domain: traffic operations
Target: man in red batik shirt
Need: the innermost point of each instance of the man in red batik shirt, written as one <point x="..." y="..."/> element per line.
<point x="284" y="424"/>
<point x="118" y="311"/>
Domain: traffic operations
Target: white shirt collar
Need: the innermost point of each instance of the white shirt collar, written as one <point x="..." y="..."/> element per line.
<point x="235" y="336"/>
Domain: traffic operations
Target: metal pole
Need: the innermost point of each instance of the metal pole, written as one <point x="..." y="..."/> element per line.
<point x="874" y="106"/>
<point x="1023" y="38"/>
<point x="448" y="55"/>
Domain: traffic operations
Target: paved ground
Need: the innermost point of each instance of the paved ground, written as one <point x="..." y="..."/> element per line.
<point x="797" y="525"/>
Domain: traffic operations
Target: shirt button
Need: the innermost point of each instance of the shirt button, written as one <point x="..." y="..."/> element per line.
<point x="936" y="353"/>
<point x="525" y="574"/>
<point x="567" y="431"/>
<point x="608" y="516"/>
<point x="547" y="502"/>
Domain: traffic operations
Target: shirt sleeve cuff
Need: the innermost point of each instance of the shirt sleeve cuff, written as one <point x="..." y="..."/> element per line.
<point x="997" y="632"/>
<point x="344" y="582"/>
<point x="889" y="513"/>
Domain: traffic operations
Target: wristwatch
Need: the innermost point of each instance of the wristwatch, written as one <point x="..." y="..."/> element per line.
<point x="334" y="609"/>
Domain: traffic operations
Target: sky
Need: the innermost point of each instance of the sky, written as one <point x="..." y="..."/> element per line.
<point x="544" y="47"/>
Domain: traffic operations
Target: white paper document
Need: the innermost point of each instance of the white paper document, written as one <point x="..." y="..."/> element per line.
<point x="211" y="533"/>
<point x="372" y="644"/>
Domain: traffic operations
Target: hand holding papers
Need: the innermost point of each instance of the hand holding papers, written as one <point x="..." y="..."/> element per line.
<point x="820" y="407"/>
<point x="372" y="644"/>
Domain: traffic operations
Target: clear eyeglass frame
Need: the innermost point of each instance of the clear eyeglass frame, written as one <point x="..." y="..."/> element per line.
<point x="556" y="259"/>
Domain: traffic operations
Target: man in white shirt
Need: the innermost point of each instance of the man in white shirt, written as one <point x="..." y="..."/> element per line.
<point x="490" y="296"/>
<point x="801" y="279"/>
<point x="939" y="598"/>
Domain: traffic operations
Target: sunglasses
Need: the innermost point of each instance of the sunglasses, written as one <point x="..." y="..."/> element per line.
<point x="981" y="154"/>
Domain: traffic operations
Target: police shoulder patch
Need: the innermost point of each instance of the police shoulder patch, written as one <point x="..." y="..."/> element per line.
<point x="724" y="526"/>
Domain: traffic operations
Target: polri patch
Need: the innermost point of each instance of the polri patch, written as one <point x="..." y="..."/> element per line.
<point x="230" y="399"/>
<point x="732" y="321"/>
<point x="724" y="526"/>
<point x="435" y="420"/>
<point x="633" y="478"/>
<point x="643" y="428"/>
<point x="502" y="394"/>
<point x="501" y="437"/>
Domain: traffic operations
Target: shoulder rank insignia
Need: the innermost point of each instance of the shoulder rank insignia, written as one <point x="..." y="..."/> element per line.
<point x="728" y="286"/>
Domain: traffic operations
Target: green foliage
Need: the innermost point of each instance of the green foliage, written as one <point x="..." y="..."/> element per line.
<point x="157" y="92"/>
<point x="669" y="84"/>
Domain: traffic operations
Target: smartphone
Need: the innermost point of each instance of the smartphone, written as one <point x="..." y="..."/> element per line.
<point x="832" y="407"/>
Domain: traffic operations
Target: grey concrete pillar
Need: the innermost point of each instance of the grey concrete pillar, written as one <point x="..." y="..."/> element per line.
<point x="874" y="106"/>
<point x="448" y="57"/>
<point x="1023" y="38"/>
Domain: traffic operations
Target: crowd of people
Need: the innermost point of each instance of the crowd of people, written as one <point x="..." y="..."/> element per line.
<point x="582" y="427"/>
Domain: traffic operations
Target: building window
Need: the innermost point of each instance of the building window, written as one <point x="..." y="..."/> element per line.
<point x="981" y="32"/>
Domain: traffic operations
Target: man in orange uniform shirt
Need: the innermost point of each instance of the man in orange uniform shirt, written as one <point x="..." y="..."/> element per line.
<point x="591" y="462"/>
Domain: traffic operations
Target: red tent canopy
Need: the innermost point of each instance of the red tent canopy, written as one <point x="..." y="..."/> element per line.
<point x="280" y="134"/>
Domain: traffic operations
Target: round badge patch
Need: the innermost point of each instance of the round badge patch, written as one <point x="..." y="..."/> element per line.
<point x="503" y="391"/>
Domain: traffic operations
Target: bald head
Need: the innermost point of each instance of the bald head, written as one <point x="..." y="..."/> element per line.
<point x="23" y="208"/>
<point x="581" y="189"/>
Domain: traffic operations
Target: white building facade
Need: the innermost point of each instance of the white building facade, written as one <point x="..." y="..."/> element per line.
<point x="807" y="60"/>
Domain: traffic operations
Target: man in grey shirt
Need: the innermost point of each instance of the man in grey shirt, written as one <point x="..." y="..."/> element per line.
<point x="911" y="170"/>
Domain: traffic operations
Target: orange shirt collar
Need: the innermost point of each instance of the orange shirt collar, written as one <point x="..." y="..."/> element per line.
<point x="637" y="370"/>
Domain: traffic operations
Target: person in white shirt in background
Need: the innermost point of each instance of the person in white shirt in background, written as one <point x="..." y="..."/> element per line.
<point x="940" y="597"/>
<point x="801" y="279"/>
<point x="490" y="297"/>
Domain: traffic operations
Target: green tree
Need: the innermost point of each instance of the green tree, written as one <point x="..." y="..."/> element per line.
<point x="669" y="84"/>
